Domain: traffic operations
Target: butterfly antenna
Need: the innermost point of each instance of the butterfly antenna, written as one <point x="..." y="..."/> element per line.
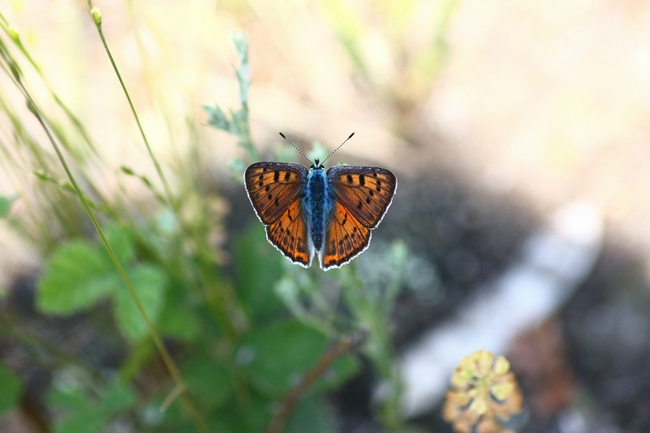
<point x="295" y="147"/>
<point x="340" y="145"/>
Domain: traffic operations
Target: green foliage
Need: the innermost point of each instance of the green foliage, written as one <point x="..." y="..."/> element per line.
<point x="149" y="284"/>
<point x="209" y="381"/>
<point x="237" y="124"/>
<point x="79" y="274"/>
<point x="279" y="353"/>
<point x="10" y="389"/>
<point x="258" y="267"/>
<point x="312" y="416"/>
<point x="87" y="413"/>
<point x="175" y="322"/>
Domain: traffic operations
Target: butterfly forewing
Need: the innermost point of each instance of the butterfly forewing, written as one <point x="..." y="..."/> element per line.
<point x="345" y="239"/>
<point x="366" y="192"/>
<point x="272" y="187"/>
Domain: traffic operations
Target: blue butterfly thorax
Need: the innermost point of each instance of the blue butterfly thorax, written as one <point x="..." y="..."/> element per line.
<point x="317" y="203"/>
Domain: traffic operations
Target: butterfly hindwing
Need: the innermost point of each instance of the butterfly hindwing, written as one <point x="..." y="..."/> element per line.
<point x="289" y="234"/>
<point x="345" y="239"/>
<point x="272" y="187"/>
<point x="366" y="192"/>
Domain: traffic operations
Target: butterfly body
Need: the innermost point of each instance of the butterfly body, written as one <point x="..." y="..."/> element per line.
<point x="317" y="212"/>
<point x="317" y="205"/>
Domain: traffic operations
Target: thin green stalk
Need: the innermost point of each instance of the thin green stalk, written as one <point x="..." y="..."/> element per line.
<point x="97" y="19"/>
<point x="167" y="359"/>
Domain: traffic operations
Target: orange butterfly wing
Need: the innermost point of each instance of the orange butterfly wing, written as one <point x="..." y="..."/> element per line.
<point x="274" y="190"/>
<point x="361" y="195"/>
<point x="346" y="238"/>
<point x="366" y="192"/>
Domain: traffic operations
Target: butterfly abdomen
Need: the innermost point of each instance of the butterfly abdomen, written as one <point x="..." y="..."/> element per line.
<point x="318" y="206"/>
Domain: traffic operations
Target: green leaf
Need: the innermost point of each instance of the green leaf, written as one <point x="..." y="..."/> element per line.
<point x="239" y="123"/>
<point x="278" y="355"/>
<point x="80" y="414"/>
<point x="75" y="277"/>
<point x="84" y="420"/>
<point x="257" y="267"/>
<point x="311" y="415"/>
<point x="177" y="319"/>
<point x="10" y="389"/>
<point x="148" y="283"/>
<point x="253" y="416"/>
<point x="86" y="414"/>
<point x="67" y="398"/>
<point x="118" y="397"/>
<point x="208" y="381"/>
<point x="217" y="118"/>
<point x="5" y="205"/>
<point x="120" y="241"/>
<point x="339" y="372"/>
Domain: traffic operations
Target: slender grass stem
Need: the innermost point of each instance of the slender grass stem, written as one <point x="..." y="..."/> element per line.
<point x="96" y="15"/>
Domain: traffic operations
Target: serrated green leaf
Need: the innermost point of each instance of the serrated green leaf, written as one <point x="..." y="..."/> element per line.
<point x="10" y="389"/>
<point x="208" y="381"/>
<point x="5" y="205"/>
<point x="75" y="277"/>
<point x="148" y="283"/>
<point x="279" y="354"/>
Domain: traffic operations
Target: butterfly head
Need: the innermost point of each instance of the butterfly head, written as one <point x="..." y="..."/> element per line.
<point x="316" y="165"/>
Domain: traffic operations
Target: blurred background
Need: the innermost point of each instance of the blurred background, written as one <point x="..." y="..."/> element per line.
<point x="495" y="116"/>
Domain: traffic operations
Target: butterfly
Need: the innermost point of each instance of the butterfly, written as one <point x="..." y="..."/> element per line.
<point x="309" y="212"/>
